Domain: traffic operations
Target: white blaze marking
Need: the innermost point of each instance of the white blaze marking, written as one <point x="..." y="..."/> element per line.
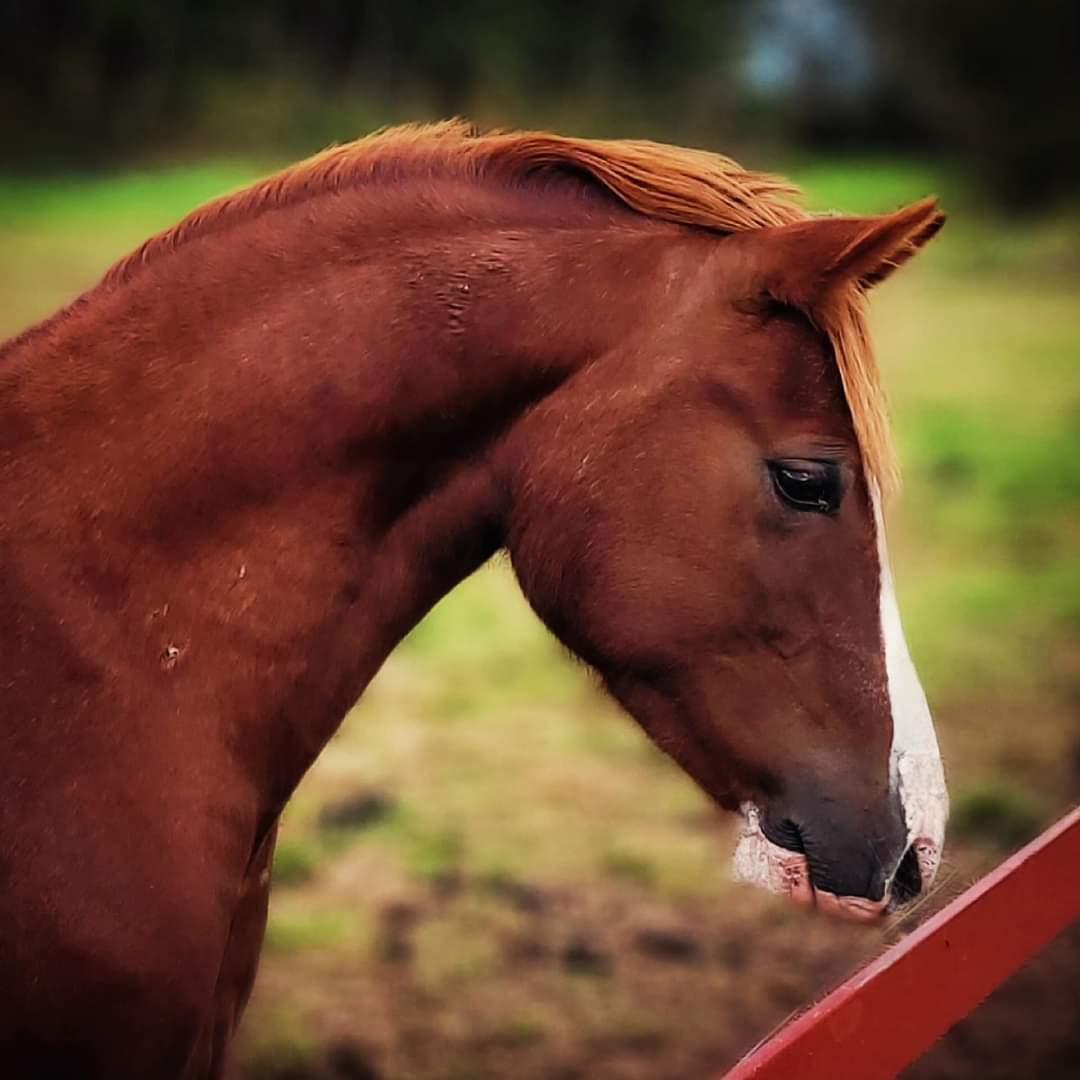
<point x="916" y="772"/>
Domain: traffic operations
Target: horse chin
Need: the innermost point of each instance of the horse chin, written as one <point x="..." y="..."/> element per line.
<point x="758" y="861"/>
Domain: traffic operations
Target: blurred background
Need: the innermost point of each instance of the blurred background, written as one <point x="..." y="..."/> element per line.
<point x="490" y="873"/>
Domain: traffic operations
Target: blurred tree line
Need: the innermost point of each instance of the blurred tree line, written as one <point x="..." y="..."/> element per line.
<point x="992" y="81"/>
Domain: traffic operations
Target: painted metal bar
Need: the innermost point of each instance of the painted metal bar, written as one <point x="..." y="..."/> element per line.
<point x="889" y="1013"/>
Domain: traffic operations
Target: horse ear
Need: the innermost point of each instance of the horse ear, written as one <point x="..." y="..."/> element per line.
<point x="806" y="262"/>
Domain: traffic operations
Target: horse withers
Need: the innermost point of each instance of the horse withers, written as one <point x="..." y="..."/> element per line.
<point x="235" y="473"/>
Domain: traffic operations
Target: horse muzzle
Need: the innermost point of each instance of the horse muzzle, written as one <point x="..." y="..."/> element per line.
<point x="852" y="878"/>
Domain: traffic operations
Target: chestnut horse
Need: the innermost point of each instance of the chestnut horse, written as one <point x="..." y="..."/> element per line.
<point x="236" y="472"/>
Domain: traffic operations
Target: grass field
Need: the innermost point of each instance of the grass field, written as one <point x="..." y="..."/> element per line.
<point x="490" y="873"/>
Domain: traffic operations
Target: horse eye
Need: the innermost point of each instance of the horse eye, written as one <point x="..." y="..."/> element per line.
<point x="808" y="485"/>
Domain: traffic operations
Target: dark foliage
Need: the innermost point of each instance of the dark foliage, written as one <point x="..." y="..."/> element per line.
<point x="991" y="84"/>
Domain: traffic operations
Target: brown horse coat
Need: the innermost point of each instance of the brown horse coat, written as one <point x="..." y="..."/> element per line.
<point x="237" y="472"/>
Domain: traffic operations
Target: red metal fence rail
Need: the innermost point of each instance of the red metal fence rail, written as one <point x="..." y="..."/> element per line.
<point x="888" y="1014"/>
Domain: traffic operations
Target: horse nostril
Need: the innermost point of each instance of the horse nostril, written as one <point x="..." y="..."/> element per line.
<point x="907" y="881"/>
<point x="786" y="834"/>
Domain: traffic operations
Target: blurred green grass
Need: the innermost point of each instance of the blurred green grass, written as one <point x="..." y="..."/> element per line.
<point x="525" y="817"/>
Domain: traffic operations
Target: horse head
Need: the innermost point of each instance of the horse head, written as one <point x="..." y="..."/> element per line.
<point x="699" y="516"/>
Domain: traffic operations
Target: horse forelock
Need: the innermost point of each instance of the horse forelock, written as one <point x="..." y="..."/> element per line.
<point x="682" y="185"/>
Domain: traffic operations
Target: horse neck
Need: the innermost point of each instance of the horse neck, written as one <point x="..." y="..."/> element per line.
<point x="272" y="453"/>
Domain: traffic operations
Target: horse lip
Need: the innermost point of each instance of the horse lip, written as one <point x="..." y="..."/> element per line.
<point x="852" y="908"/>
<point x="802" y="893"/>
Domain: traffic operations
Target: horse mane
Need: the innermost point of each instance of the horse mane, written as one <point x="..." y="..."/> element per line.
<point x="686" y="186"/>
